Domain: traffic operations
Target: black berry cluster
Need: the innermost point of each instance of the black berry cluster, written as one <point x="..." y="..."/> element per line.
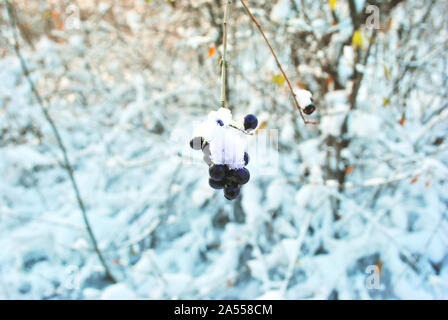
<point x="231" y="180"/>
<point x="221" y="176"/>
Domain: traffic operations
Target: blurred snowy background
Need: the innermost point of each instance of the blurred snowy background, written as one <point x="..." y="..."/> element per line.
<point x="358" y="198"/>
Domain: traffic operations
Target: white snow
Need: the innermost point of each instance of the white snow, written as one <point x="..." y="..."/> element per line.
<point x="127" y="97"/>
<point x="118" y="291"/>
<point x="303" y="97"/>
<point x="226" y="145"/>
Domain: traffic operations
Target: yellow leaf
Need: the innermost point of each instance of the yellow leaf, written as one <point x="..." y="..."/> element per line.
<point x="386" y="102"/>
<point x="261" y="126"/>
<point x="332" y="3"/>
<point x="278" y="79"/>
<point x="357" y="40"/>
<point x="47" y="14"/>
<point x="386" y="73"/>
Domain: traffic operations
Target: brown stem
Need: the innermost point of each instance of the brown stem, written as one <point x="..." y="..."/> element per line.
<point x="276" y="60"/>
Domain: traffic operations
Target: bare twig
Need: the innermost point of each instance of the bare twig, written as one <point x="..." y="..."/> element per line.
<point x="297" y="245"/>
<point x="66" y="162"/>
<point x="276" y="60"/>
<point x="224" y="56"/>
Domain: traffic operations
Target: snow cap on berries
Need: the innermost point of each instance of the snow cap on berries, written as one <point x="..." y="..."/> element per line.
<point x="227" y="147"/>
<point x="304" y="98"/>
<point x="225" y="143"/>
<point x="222" y="114"/>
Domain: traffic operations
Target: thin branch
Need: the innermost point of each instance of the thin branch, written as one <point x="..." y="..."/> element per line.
<point x="297" y="246"/>
<point x="276" y="60"/>
<point x="67" y="165"/>
<point x="224" y="56"/>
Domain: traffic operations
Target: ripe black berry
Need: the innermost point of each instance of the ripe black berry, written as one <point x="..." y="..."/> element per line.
<point x="196" y="143"/>
<point x="306" y="173"/>
<point x="309" y="109"/>
<point x="246" y="158"/>
<point x="220" y="122"/>
<point x="231" y="191"/>
<point x="217" y="171"/>
<point x="250" y="122"/>
<point x="231" y="177"/>
<point x="239" y="176"/>
<point x="242" y="175"/>
<point x="216" y="184"/>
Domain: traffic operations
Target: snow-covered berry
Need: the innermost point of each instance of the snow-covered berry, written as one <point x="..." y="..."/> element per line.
<point x="305" y="101"/>
<point x="309" y="109"/>
<point x="250" y="122"/>
<point x="303" y="98"/>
